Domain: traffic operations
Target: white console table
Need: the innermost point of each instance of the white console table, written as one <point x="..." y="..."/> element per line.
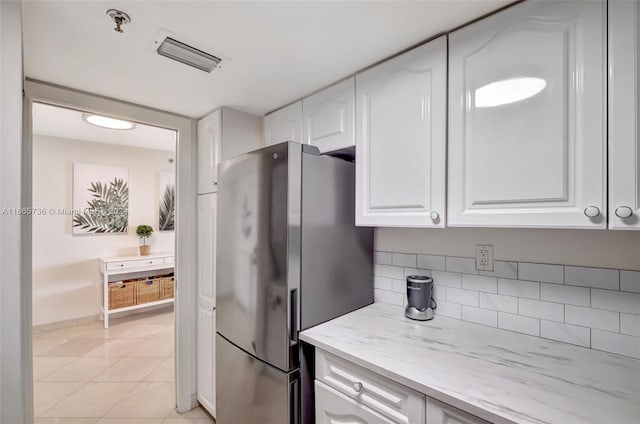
<point x="121" y="266"/>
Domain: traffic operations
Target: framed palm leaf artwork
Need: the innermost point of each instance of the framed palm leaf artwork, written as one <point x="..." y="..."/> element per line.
<point x="100" y="199"/>
<point x="167" y="201"/>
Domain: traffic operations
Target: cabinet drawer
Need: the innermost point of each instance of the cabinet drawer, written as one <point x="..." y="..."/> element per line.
<point x="138" y="263"/>
<point x="170" y="260"/>
<point x="333" y="407"/>
<point x="388" y="398"/>
<point x="441" y="413"/>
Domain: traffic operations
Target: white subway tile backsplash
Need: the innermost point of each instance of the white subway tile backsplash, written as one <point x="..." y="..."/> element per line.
<point x="392" y="298"/>
<point x="541" y="272"/>
<point x="449" y="279"/>
<point x="483" y="284"/>
<point x="416" y="271"/>
<point x="543" y="310"/>
<point x="382" y="258"/>
<point x="480" y="316"/>
<point x="462" y="265"/>
<point x="560" y="293"/>
<point x="519" y="324"/>
<point x="399" y="286"/>
<point x="382" y="283"/>
<point x="464" y="297"/>
<point x="389" y="271"/>
<point x="403" y="259"/>
<point x="433" y="262"/>
<point x="630" y="324"/>
<point x="566" y="333"/>
<point x="502" y="269"/>
<point x="615" y="343"/>
<point x="451" y="310"/>
<point x="591" y="307"/>
<point x="518" y="288"/>
<point x="600" y="278"/>
<point x="616" y="301"/>
<point x="498" y="302"/>
<point x="630" y="281"/>
<point x="593" y="318"/>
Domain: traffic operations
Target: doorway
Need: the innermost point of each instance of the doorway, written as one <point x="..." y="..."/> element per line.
<point x="80" y="330"/>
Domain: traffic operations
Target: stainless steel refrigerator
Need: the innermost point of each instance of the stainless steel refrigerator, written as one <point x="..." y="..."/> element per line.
<point x="289" y="257"/>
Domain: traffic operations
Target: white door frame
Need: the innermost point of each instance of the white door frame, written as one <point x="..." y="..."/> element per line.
<point x="185" y="233"/>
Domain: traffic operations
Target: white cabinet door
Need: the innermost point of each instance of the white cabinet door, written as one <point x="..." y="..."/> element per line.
<point x="527" y="137"/>
<point x="206" y="217"/>
<point x="335" y="408"/>
<point x="329" y="117"/>
<point x="624" y="111"/>
<point x="284" y="125"/>
<point x="401" y="139"/>
<point x="441" y="413"/>
<point x="209" y="139"/>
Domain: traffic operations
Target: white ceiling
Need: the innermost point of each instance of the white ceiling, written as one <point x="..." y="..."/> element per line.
<point x="279" y="51"/>
<point x="67" y="123"/>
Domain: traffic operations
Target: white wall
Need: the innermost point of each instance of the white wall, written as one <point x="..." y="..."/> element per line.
<point x="598" y="248"/>
<point x="16" y="395"/>
<point x="65" y="267"/>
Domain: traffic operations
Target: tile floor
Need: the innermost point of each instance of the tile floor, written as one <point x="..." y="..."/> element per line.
<point x="123" y="375"/>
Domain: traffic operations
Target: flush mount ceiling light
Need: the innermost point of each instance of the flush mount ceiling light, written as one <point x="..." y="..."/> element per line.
<point x="106" y="122"/>
<point x="508" y="91"/>
<point x="184" y="53"/>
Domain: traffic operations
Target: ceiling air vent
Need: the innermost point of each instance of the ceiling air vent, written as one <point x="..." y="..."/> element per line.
<point x="184" y="53"/>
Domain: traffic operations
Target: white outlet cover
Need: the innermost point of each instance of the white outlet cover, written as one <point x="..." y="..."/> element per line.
<point x="484" y="257"/>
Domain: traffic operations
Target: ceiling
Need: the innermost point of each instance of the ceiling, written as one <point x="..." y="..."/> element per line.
<point x="67" y="123"/>
<point x="279" y="51"/>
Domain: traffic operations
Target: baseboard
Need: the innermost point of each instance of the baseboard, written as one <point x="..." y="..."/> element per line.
<point x="93" y="318"/>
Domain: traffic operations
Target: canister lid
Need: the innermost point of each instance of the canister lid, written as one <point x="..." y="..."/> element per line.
<point x="424" y="279"/>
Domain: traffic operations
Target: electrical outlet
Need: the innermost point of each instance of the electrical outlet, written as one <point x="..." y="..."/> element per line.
<point x="484" y="257"/>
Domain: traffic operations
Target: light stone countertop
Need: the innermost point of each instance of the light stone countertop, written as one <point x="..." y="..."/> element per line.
<point x="500" y="376"/>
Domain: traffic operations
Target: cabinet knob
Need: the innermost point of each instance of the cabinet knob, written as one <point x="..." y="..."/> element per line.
<point x="357" y="386"/>
<point x="434" y="216"/>
<point x="215" y="183"/>
<point x="591" y="211"/>
<point x="624" y="212"/>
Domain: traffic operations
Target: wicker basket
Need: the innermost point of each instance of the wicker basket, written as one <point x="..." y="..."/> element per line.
<point x="148" y="290"/>
<point x="122" y="294"/>
<point x="166" y="287"/>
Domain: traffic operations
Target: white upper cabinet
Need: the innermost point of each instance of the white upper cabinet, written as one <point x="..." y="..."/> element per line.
<point x="209" y="135"/>
<point x="624" y="111"/>
<point x="223" y="134"/>
<point x="284" y="125"/>
<point x="401" y="139"/>
<point x="527" y="134"/>
<point x="329" y="117"/>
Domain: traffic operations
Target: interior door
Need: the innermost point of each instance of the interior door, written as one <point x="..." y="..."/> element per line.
<point x="624" y="114"/>
<point x="401" y="139"/>
<point x="527" y="133"/>
<point x="206" y="314"/>
<point x="209" y="139"/>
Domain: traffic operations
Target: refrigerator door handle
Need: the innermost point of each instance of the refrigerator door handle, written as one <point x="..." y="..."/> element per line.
<point x="293" y="402"/>
<point x="293" y="317"/>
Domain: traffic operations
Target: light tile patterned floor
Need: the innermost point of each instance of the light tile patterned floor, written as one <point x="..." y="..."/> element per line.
<point x="123" y="375"/>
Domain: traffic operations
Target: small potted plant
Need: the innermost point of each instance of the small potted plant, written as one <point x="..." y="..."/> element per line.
<point x="144" y="232"/>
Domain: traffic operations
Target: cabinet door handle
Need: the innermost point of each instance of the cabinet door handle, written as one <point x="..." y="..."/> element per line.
<point x="357" y="386"/>
<point x="215" y="183"/>
<point x="434" y="216"/>
<point x="624" y="212"/>
<point x="591" y="211"/>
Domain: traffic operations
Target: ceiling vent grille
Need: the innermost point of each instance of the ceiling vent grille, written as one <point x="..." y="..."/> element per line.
<point x="184" y="53"/>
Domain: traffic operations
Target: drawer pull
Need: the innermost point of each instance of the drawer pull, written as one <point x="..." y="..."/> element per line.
<point x="357" y="386"/>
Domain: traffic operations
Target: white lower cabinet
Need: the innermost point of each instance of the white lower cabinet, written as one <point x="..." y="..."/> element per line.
<point x="346" y="393"/>
<point x="441" y="413"/>
<point x="332" y="407"/>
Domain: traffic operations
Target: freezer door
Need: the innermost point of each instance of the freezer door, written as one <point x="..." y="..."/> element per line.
<point x="251" y="391"/>
<point x="258" y="252"/>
